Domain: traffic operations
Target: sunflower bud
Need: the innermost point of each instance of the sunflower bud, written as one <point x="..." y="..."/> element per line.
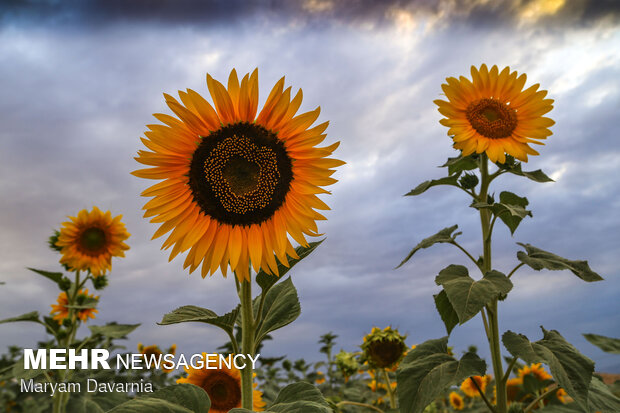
<point x="64" y="284"/>
<point x="384" y="348"/>
<point x="100" y="282"/>
<point x="347" y="363"/>
<point x="52" y="241"/>
<point x="468" y="181"/>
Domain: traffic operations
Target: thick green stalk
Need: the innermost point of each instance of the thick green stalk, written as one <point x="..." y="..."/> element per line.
<point x="491" y="309"/>
<point x="390" y="391"/>
<point x="247" y="342"/>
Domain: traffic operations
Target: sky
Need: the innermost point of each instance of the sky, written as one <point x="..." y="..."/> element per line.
<point x="80" y="80"/>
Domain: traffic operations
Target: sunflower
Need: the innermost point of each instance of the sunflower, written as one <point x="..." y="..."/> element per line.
<point x="90" y="240"/>
<point x="384" y="348"/>
<point x="469" y="388"/>
<point x="63" y="310"/>
<point x="153" y="351"/>
<point x="513" y="388"/>
<point x="235" y="184"/>
<point x="493" y="114"/>
<point x="320" y="377"/>
<point x="536" y="370"/>
<point x="223" y="387"/>
<point x="456" y="401"/>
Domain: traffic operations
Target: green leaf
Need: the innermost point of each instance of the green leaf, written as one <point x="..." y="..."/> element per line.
<point x="601" y="399"/>
<point x="113" y="330"/>
<point x="510" y="209"/>
<point x="281" y="308"/>
<point x="448" y="180"/>
<point x="446" y="311"/>
<point x="54" y="276"/>
<point x="298" y="397"/>
<point x="467" y="296"/>
<point x="539" y="259"/>
<point x="86" y="402"/>
<point x="32" y="316"/>
<point x="444" y="236"/>
<point x="428" y="371"/>
<point x="460" y="164"/>
<point x="87" y="303"/>
<point x="178" y="398"/>
<point x="572" y="370"/>
<point x="607" y="344"/>
<point x="266" y="281"/>
<point x="192" y="313"/>
<point x="536" y="176"/>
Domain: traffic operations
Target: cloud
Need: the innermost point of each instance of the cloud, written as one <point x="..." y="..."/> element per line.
<point x="76" y="100"/>
<point x="362" y="13"/>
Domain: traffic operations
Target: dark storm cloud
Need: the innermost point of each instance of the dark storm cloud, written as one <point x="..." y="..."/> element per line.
<point x="376" y="13"/>
<point x="75" y="105"/>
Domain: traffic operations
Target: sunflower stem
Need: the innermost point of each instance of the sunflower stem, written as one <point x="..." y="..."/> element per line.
<point x="247" y="341"/>
<point x="492" y="329"/>
<point x="390" y="391"/>
<point x="60" y="399"/>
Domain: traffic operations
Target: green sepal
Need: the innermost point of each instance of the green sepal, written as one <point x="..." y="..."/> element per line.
<point x="449" y="317"/>
<point x="571" y="369"/>
<point x="539" y="259"/>
<point x="468" y="296"/>
<point x="113" y="330"/>
<point x="192" y="313"/>
<point x="428" y="371"/>
<point x="424" y="186"/>
<point x="87" y="303"/>
<point x="281" y="307"/>
<point x="446" y="235"/>
<point x="32" y="316"/>
<point x="607" y="344"/>
<point x="266" y="281"/>
<point x="178" y="398"/>
<point x="298" y="397"/>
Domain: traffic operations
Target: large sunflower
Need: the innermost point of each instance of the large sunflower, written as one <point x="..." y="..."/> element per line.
<point x="223" y="387"/>
<point x="493" y="114"/>
<point x="61" y="309"/>
<point x="90" y="240"/>
<point x="234" y="183"/>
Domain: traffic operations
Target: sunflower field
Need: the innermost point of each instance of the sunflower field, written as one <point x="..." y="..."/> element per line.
<point x="236" y="185"/>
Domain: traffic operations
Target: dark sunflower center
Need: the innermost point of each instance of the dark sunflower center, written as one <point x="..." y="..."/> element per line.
<point x="492" y="118"/>
<point x="385" y="353"/>
<point x="223" y="390"/>
<point x="92" y="240"/>
<point x="240" y="174"/>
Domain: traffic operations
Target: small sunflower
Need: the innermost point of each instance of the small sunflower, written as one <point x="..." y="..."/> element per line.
<point x="235" y="184"/>
<point x="384" y="348"/>
<point x="456" y="401"/>
<point x="90" y="240"/>
<point x="223" y="387"/>
<point x="154" y="350"/>
<point x="62" y="309"/>
<point x="536" y="370"/>
<point x="513" y="388"/>
<point x="320" y="377"/>
<point x="470" y="389"/>
<point x="493" y="114"/>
